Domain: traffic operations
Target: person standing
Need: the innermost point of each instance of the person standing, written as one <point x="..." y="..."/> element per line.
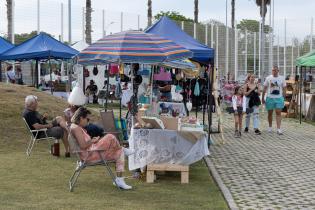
<point x="239" y="108"/>
<point x="275" y="87"/>
<point x="252" y="92"/>
<point x="10" y="74"/>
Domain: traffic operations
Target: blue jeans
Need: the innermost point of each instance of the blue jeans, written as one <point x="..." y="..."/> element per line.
<point x="255" y="117"/>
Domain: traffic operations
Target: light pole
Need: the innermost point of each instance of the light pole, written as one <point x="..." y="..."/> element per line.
<point x="111" y="23"/>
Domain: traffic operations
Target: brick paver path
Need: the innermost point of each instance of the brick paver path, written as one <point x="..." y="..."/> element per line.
<point x="268" y="171"/>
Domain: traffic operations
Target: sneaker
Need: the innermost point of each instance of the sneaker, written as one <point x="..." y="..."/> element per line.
<point x="257" y="132"/>
<point x="269" y="130"/>
<point x="237" y="134"/>
<point x="121" y="183"/>
<point x="128" y="152"/>
<point x="246" y="130"/>
<point x="279" y="132"/>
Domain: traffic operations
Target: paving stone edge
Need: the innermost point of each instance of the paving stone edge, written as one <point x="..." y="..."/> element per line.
<point x="225" y="191"/>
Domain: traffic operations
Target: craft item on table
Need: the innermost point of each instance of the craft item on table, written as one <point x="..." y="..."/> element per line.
<point x="170" y="123"/>
<point x="154" y="121"/>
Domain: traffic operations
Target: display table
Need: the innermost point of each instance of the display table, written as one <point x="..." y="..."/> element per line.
<point x="156" y="146"/>
<point x="179" y="107"/>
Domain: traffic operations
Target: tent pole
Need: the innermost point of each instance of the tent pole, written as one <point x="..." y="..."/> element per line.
<point x="36" y="74"/>
<point x="300" y="94"/>
<point x="107" y="87"/>
<point x="51" y="82"/>
<point x="0" y="71"/>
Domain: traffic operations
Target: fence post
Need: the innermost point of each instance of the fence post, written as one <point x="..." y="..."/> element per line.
<point x="103" y="22"/>
<point x="38" y="16"/>
<point x="61" y="35"/>
<point x="226" y="50"/>
<point x="195" y="31"/>
<point x="69" y="24"/>
<point x="259" y="50"/>
<point x="246" y="43"/>
<point x="212" y="35"/>
<point x="278" y="52"/>
<point x="83" y="24"/>
<point x="285" y="49"/>
<point x="292" y="57"/>
<point x="121" y="21"/>
<point x="183" y="25"/>
<point x="235" y="52"/>
<point x="138" y="22"/>
<point x="217" y="47"/>
<point x="311" y="35"/>
<point x="206" y="35"/>
<point x="254" y="53"/>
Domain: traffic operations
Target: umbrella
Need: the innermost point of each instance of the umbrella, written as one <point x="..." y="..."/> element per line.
<point x="181" y="64"/>
<point x="132" y="47"/>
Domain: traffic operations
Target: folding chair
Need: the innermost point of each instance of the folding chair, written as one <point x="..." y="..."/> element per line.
<point x="108" y="121"/>
<point x="34" y="139"/>
<point x="82" y="164"/>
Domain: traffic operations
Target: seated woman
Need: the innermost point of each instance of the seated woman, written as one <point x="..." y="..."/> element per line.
<point x="92" y="129"/>
<point x="108" y="143"/>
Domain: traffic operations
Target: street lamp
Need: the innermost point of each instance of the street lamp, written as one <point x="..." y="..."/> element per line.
<point x="111" y="23"/>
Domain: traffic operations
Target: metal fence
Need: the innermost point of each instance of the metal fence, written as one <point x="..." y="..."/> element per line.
<point x="237" y="52"/>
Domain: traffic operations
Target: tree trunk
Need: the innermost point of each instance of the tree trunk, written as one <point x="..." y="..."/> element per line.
<point x="10" y="19"/>
<point x="233" y="13"/>
<point x="88" y="22"/>
<point x="196" y="11"/>
<point x="149" y="12"/>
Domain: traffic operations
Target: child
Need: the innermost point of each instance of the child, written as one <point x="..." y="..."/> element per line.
<point x="239" y="107"/>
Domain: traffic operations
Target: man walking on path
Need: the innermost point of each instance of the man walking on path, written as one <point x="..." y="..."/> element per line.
<point x="275" y="86"/>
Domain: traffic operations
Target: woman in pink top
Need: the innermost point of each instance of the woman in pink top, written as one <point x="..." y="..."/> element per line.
<point x="109" y="144"/>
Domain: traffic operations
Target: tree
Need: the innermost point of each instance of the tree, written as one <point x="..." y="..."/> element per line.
<point x="19" y="38"/>
<point x="10" y="19"/>
<point x="196" y="11"/>
<point x="88" y="22"/>
<point x="149" y="12"/>
<point x="173" y="15"/>
<point x="252" y="26"/>
<point x="233" y="13"/>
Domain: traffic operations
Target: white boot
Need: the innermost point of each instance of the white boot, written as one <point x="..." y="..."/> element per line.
<point x="122" y="184"/>
<point x="128" y="152"/>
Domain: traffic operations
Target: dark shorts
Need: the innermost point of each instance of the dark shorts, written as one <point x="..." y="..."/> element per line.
<point x="56" y="132"/>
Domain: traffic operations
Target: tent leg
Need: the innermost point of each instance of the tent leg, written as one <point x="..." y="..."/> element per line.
<point x="36" y="74"/>
<point x="51" y="82"/>
<point x="107" y="88"/>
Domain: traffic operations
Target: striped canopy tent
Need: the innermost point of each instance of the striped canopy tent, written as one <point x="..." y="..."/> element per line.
<point x="132" y="47"/>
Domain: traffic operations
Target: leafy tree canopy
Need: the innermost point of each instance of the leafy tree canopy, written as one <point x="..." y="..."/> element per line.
<point x="173" y="15"/>
<point x="252" y="26"/>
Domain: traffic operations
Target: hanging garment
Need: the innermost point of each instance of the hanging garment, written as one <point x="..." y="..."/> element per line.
<point x="197" y="89"/>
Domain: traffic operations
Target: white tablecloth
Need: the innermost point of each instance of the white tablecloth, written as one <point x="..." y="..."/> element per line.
<point x="180" y="107"/>
<point x="164" y="146"/>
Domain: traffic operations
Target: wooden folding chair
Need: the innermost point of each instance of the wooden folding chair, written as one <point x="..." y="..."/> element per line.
<point x="33" y="137"/>
<point x="83" y="163"/>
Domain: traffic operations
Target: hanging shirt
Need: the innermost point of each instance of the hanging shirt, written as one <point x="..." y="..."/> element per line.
<point x="275" y="86"/>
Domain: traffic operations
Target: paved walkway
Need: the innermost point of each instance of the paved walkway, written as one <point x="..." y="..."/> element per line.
<point x="268" y="171"/>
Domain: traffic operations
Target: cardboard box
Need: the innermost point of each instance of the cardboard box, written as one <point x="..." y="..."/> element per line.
<point x="170" y="123"/>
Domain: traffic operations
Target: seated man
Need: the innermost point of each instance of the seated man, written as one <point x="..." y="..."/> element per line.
<point x="91" y="90"/>
<point x="57" y="128"/>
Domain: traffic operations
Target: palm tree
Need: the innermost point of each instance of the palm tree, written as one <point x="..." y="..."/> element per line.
<point x="196" y="11"/>
<point x="263" y="10"/>
<point x="149" y="12"/>
<point x="88" y="22"/>
<point x="233" y="13"/>
<point x="10" y="19"/>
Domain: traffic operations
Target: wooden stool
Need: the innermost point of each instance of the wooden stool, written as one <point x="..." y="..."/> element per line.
<point x="184" y="171"/>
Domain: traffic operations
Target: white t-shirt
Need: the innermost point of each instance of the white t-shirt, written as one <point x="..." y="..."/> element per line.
<point x="275" y="86"/>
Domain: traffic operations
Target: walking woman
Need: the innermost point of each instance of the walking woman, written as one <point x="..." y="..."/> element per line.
<point x="252" y="92"/>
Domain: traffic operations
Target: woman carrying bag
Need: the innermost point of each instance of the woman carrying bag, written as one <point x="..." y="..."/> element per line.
<point x="252" y="92"/>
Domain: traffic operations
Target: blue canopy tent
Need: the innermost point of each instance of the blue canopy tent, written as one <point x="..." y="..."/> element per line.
<point x="39" y="47"/>
<point x="167" y="28"/>
<point x="201" y="53"/>
<point x="4" y="46"/>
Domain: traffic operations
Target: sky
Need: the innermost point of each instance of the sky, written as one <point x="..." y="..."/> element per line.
<point x="298" y="15"/>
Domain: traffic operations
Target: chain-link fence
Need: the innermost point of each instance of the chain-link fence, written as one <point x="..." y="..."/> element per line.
<point x="237" y="52"/>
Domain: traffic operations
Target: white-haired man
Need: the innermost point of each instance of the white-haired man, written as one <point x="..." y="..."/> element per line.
<point x="57" y="128"/>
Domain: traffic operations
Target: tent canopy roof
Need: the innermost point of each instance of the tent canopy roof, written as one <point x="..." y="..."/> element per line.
<point x="169" y="29"/>
<point x="40" y="47"/>
<point x="307" y="60"/>
<point x="5" y="45"/>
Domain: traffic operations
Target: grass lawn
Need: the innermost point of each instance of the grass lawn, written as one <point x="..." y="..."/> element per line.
<point x="41" y="180"/>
